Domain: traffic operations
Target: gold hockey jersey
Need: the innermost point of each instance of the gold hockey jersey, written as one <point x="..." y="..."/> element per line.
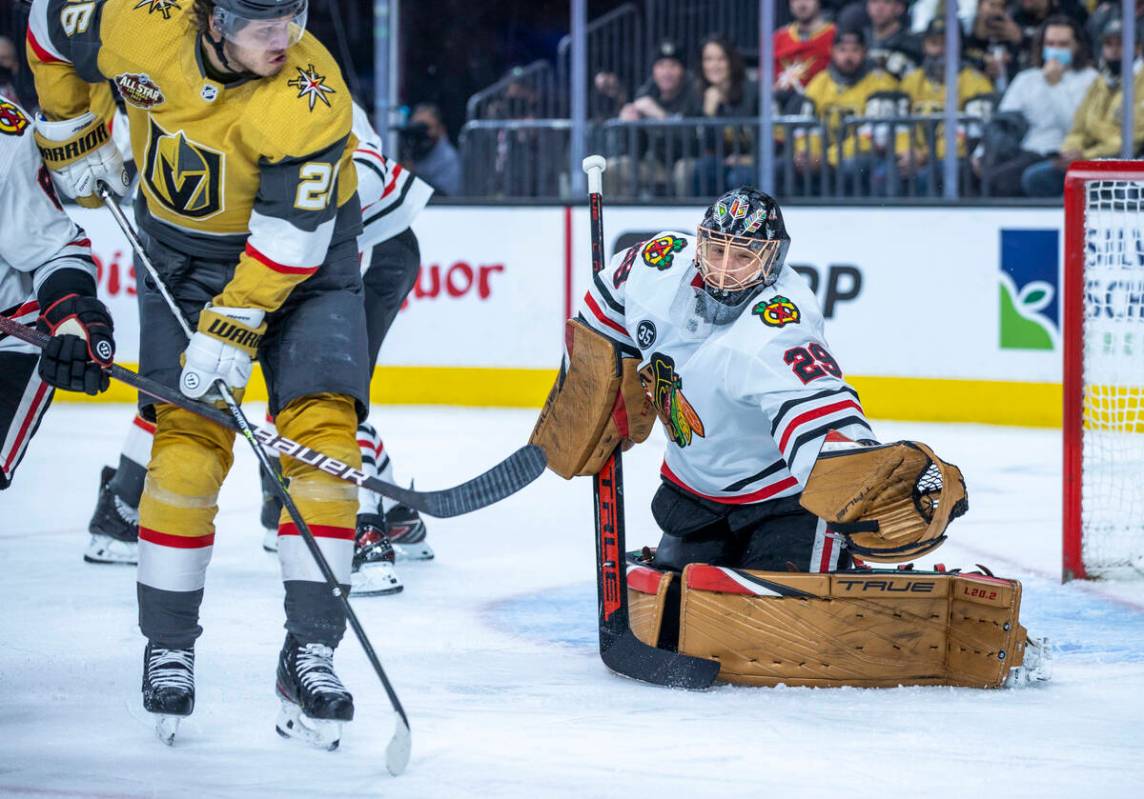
<point x="834" y="102"/>
<point x="927" y="97"/>
<point x="258" y="169"/>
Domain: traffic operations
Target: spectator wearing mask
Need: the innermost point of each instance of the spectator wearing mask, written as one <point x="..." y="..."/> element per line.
<point x="890" y="45"/>
<point x="1047" y="96"/>
<point x="926" y="89"/>
<point x="669" y="93"/>
<point x="993" y="43"/>
<point x="802" y="49"/>
<point x="1096" y="129"/>
<point x="435" y="159"/>
<point x="842" y="90"/>
<point x="724" y="90"/>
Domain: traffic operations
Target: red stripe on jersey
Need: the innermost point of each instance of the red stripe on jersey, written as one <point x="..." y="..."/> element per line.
<point x="644" y="580"/>
<point x="143" y="424"/>
<point x="319" y="531"/>
<point x="817" y="413"/>
<point x="397" y="170"/>
<point x="26" y="308"/>
<point x="175" y="541"/>
<point x="827" y="549"/>
<point x="29" y="419"/>
<point x="374" y="153"/>
<point x="712" y="578"/>
<point x="744" y="499"/>
<point x="84" y="242"/>
<point x="277" y="267"/>
<point x="365" y="445"/>
<point x="40" y="52"/>
<point x="591" y="302"/>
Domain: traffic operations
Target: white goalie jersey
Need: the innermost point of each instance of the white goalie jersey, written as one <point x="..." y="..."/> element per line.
<point x="746" y="404"/>
<point x="37" y="239"/>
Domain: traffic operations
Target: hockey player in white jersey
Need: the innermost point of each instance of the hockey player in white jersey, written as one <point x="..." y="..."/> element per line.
<point x="47" y="277"/>
<point x="391" y="197"/>
<point x="733" y="357"/>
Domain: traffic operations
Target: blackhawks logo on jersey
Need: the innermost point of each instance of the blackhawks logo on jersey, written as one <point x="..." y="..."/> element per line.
<point x="12" y="119"/>
<point x="660" y="253"/>
<point x="183" y="175"/>
<point x="778" y="311"/>
<point x="665" y="386"/>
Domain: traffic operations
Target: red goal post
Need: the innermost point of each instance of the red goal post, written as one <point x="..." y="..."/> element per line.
<point x="1103" y="424"/>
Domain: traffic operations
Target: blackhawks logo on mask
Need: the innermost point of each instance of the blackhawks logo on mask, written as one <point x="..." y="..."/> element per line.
<point x="778" y="311"/>
<point x="665" y="387"/>
<point x="660" y="253"/>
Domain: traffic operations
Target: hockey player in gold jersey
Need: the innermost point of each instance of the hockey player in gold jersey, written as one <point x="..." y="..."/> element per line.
<point x="925" y="88"/>
<point x="241" y="129"/>
<point x="844" y="89"/>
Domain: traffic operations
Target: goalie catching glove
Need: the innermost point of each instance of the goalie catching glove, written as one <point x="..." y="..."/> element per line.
<point x="597" y="404"/>
<point x="893" y="502"/>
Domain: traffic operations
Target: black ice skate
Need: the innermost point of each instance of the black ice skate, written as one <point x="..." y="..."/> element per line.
<point x="271" y="510"/>
<point x="314" y="701"/>
<point x="114" y="527"/>
<point x="407" y="534"/>
<point x="168" y="688"/>
<point x="373" y="573"/>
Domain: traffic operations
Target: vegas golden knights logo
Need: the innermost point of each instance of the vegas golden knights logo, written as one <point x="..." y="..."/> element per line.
<point x="184" y="176"/>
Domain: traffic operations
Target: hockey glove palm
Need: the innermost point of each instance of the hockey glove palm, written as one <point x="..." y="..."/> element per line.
<point x="222" y="349"/>
<point x="81" y="345"/>
<point x="80" y="153"/>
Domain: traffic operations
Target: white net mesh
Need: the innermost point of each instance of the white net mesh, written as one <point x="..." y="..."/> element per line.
<point x="1112" y="504"/>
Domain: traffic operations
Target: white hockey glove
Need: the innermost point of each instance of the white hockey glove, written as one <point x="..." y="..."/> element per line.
<point x="222" y="349"/>
<point x="79" y="152"/>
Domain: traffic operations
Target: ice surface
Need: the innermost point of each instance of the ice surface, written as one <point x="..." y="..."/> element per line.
<point x="492" y="649"/>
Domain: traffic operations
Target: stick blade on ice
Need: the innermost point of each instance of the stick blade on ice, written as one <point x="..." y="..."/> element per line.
<point x="400" y="745"/>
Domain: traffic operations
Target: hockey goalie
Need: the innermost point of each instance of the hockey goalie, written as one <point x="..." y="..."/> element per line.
<point x="775" y="491"/>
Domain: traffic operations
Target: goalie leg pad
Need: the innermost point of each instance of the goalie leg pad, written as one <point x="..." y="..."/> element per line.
<point x="863" y="629"/>
<point x="596" y="403"/>
<point x="647" y="597"/>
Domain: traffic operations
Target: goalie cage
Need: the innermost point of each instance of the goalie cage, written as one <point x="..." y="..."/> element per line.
<point x="1104" y="371"/>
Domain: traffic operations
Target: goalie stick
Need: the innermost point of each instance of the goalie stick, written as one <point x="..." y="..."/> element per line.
<point x="620" y="650"/>
<point x="506" y="478"/>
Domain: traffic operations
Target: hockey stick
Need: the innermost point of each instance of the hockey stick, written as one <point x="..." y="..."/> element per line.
<point x="400" y="745"/>
<point x="620" y="650"/>
<point x="506" y="478"/>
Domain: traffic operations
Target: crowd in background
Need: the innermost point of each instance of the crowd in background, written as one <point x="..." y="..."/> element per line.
<point x="1040" y="76"/>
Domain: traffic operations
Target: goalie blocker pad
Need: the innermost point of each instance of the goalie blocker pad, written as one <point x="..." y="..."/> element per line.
<point x="596" y="404"/>
<point x="862" y="628"/>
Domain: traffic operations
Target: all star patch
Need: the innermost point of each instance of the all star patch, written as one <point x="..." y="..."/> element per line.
<point x="660" y="253"/>
<point x="139" y="90"/>
<point x="311" y="86"/>
<point x="12" y="119"/>
<point x="777" y="312"/>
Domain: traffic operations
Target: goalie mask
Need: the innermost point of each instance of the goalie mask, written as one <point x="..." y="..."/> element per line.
<point x="742" y="243"/>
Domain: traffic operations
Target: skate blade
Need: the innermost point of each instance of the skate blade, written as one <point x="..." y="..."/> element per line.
<point x="105" y="549"/>
<point x="166" y="727"/>
<point x="375" y="579"/>
<point x="270" y="539"/>
<point x="413" y="551"/>
<point x="320" y="733"/>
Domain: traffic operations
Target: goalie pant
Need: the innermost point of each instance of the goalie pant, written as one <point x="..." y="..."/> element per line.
<point x="41" y="248"/>
<point x="747" y="401"/>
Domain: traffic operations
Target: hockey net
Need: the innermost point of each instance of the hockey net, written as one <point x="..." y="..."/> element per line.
<point x="1104" y="371"/>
